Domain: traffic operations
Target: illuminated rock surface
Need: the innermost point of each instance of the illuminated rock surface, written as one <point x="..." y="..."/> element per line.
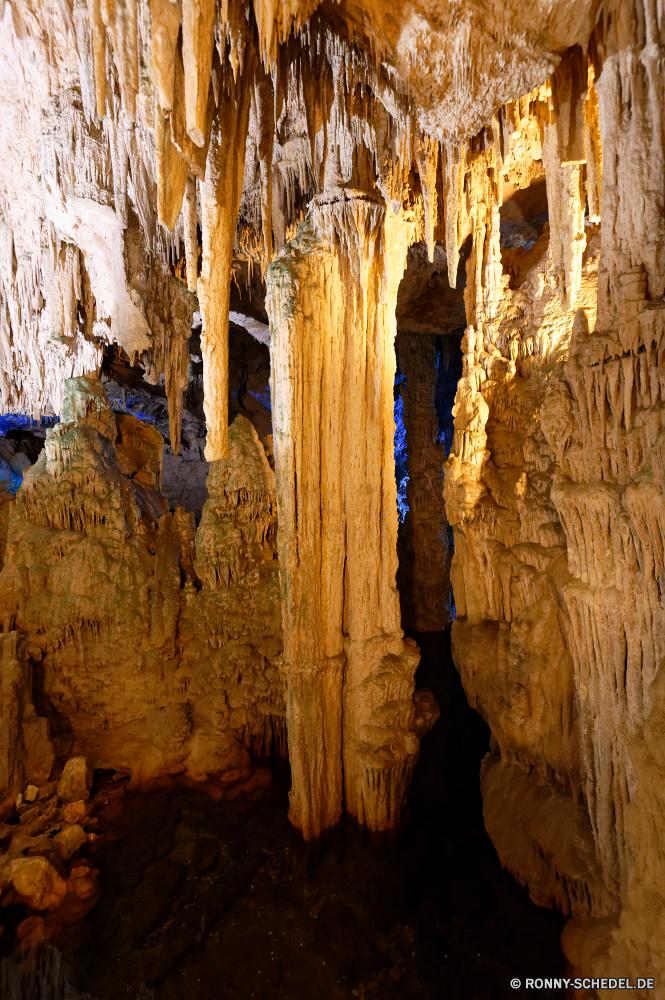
<point x="202" y="562"/>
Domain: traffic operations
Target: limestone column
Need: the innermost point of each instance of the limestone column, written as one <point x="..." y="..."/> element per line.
<point x="353" y="726"/>
<point x="425" y="552"/>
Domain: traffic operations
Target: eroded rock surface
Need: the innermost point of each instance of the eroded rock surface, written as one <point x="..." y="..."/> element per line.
<point x="154" y="654"/>
<point x="555" y="496"/>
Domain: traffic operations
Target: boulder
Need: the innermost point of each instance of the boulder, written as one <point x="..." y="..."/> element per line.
<point x="76" y="780"/>
<point x="37" y="882"/>
<point x="70" y="840"/>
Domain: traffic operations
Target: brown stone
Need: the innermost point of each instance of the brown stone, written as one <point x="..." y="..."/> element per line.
<point x="76" y="780"/>
<point x="37" y="882"/>
<point x="70" y="840"/>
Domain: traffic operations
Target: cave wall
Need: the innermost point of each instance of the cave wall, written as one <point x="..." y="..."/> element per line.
<point x="424" y="549"/>
<point x="554" y="490"/>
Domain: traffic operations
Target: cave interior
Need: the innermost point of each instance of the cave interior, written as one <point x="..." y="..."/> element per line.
<point x="332" y="499"/>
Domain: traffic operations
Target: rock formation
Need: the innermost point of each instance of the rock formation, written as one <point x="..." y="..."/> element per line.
<point x="137" y="637"/>
<point x="343" y="171"/>
<point x="553" y="469"/>
<point x="345" y="662"/>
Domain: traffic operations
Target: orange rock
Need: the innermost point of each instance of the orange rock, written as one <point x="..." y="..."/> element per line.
<point x="76" y="780"/>
<point x="76" y="811"/>
<point x="70" y="840"/>
<point x="37" y="883"/>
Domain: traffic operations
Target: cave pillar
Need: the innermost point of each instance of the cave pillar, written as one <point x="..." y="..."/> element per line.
<point x="425" y="552"/>
<point x="353" y="725"/>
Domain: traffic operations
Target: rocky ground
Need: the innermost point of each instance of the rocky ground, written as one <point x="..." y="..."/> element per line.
<point x="201" y="900"/>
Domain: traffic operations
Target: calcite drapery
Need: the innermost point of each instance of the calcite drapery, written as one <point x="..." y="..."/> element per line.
<point x="555" y="488"/>
<point x="352" y="721"/>
<point x="555" y="483"/>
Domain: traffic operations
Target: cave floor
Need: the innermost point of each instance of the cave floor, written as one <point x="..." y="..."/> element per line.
<point x="203" y="901"/>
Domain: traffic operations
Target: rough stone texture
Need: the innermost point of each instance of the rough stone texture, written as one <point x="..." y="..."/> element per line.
<point x="157" y="653"/>
<point x="76" y="780"/>
<point x="36" y="880"/>
<point x="555" y="493"/>
<point x="26" y="752"/>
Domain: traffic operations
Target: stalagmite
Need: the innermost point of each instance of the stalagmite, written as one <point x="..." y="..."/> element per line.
<point x="325" y="139"/>
<point x="171" y="608"/>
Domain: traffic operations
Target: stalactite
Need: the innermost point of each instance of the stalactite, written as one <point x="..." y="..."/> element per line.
<point x="220" y="201"/>
<point x="191" y="235"/>
<point x="98" y="27"/>
<point x="265" y="125"/>
<point x="164" y="29"/>
<point x="453" y="182"/>
<point x="172" y="171"/>
<point x="120" y="20"/>
<point x="194" y="154"/>
<point x="427" y="158"/>
<point x="555" y="479"/>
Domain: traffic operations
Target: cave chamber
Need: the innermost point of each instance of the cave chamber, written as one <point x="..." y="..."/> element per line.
<point x="331" y="499"/>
